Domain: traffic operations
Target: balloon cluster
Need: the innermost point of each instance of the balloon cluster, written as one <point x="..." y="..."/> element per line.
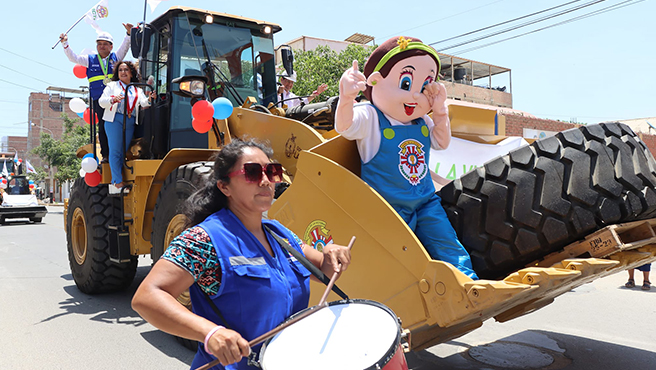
<point x="204" y="113"/>
<point x="32" y="186"/>
<point x="3" y="183"/>
<point x="18" y="161"/>
<point x="78" y="106"/>
<point x="89" y="170"/>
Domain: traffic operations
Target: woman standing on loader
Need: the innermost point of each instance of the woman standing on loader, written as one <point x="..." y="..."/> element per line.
<point x="118" y="100"/>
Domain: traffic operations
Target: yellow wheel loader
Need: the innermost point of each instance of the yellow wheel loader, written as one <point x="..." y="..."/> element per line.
<point x="524" y="217"/>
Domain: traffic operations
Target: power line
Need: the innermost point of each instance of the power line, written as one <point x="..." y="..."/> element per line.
<point x="19" y="72"/>
<point x="15" y="84"/>
<point x="505" y="22"/>
<point x="35" y="61"/>
<point x="441" y="19"/>
<point x="496" y="33"/>
<point x="596" y="12"/>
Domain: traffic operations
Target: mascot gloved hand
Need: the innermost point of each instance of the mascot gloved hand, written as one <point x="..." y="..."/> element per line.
<point x="394" y="135"/>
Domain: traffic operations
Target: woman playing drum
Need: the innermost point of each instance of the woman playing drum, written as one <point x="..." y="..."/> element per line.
<point x="230" y="257"/>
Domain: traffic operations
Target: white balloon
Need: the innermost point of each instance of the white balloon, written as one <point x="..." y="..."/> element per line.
<point x="89" y="164"/>
<point x="3" y="185"/>
<point x="77" y="105"/>
<point x="82" y="172"/>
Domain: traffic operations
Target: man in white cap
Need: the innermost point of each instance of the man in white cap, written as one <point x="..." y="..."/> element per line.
<point x="287" y="96"/>
<point x="99" y="73"/>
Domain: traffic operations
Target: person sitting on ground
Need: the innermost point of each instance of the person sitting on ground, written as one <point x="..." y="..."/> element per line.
<point x="117" y="103"/>
<point x="287" y="96"/>
<point x="242" y="281"/>
<point x="646" y="284"/>
<point x="100" y="69"/>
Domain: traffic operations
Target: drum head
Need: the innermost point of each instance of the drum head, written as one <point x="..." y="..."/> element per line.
<point x="345" y="335"/>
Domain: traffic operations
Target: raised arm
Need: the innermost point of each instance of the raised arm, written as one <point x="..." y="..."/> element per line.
<point x="320" y="89"/>
<point x="441" y="133"/>
<point x="350" y="85"/>
<point x="82" y="60"/>
<point x="125" y="45"/>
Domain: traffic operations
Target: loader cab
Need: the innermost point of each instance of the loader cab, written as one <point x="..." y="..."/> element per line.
<point x="235" y="54"/>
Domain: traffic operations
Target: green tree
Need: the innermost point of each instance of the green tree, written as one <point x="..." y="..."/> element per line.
<point x="323" y="65"/>
<point x="62" y="153"/>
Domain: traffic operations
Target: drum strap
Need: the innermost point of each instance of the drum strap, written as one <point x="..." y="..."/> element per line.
<point x="306" y="263"/>
<point x="215" y="309"/>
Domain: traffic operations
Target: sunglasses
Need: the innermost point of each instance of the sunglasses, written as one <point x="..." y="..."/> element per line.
<point x="253" y="172"/>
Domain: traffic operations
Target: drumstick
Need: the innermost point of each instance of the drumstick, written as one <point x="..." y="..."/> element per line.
<point x="310" y="311"/>
<point x="322" y="301"/>
<point x="322" y="304"/>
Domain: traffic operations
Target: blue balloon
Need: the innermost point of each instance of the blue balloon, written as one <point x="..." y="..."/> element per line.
<point x="81" y="115"/>
<point x="88" y="155"/>
<point x="31" y="182"/>
<point x="222" y="108"/>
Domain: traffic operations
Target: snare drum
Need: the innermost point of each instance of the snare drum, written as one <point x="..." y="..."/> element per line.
<point x="350" y="334"/>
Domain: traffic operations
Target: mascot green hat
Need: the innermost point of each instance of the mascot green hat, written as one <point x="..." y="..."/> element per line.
<point x="392" y="51"/>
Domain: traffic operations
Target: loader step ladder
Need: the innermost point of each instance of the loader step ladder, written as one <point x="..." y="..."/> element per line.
<point x="119" y="231"/>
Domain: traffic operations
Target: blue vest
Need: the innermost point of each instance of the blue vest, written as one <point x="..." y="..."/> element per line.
<point x="399" y="170"/>
<point x="95" y="74"/>
<point x="258" y="292"/>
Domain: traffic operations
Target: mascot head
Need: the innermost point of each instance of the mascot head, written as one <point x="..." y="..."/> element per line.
<point x="396" y="73"/>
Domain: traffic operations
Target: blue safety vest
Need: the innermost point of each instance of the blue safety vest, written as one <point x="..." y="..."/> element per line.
<point x="96" y="76"/>
<point x="406" y="148"/>
<point x="258" y="292"/>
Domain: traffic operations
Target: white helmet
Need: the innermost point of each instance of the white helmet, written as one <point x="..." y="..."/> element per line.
<point x="105" y="36"/>
<point x="291" y="77"/>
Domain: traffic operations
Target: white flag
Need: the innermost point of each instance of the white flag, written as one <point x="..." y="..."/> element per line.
<point x="4" y="170"/>
<point x="153" y="4"/>
<point x="30" y="169"/>
<point x="98" y="11"/>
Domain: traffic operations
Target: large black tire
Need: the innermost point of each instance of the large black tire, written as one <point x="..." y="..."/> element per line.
<point x="539" y="198"/>
<point x="167" y="218"/>
<point x="89" y="212"/>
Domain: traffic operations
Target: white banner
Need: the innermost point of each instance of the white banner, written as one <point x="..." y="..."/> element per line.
<point x="463" y="156"/>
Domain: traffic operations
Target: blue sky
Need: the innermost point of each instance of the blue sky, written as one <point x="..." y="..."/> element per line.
<point x="595" y="69"/>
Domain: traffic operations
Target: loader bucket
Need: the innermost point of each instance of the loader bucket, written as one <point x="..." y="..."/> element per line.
<point x="327" y="202"/>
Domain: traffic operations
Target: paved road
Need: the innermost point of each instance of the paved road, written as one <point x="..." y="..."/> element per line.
<point x="45" y="322"/>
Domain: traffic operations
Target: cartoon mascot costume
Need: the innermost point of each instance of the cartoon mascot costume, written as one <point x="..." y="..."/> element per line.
<point x="394" y="135"/>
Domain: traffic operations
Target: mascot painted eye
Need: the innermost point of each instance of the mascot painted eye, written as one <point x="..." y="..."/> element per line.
<point x="405" y="83"/>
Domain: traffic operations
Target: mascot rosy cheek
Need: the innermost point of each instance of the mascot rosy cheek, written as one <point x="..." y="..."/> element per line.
<point x="394" y="135"/>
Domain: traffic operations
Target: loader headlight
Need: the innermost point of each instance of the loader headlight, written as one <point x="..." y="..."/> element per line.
<point x="195" y="87"/>
<point x="191" y="86"/>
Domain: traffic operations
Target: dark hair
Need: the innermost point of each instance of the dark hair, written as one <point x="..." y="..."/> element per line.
<point x="209" y="199"/>
<point x="133" y="70"/>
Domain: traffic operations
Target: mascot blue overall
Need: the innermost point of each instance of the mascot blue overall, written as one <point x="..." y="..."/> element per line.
<point x="394" y="135"/>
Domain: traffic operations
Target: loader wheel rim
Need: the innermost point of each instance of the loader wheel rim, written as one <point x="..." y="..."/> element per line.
<point x="174" y="228"/>
<point x="79" y="236"/>
<point x="184" y="299"/>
